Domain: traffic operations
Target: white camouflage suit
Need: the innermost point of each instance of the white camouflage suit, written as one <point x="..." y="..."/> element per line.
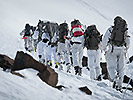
<point x="27" y="41"/>
<point x="35" y="38"/>
<point x="77" y="51"/>
<point x="116" y="59"/>
<point x="44" y="49"/>
<point x="68" y="48"/>
<point x="94" y="63"/>
<point x="54" y="48"/>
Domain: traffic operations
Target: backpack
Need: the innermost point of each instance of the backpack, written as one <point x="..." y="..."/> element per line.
<point x="50" y="28"/>
<point x="118" y="34"/>
<point x="63" y="31"/>
<point x="92" y="37"/>
<point x="47" y="27"/>
<point x="27" y="30"/>
<point x="75" y="22"/>
<point x="76" y="28"/>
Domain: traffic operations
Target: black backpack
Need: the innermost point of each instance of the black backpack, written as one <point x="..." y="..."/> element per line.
<point x="27" y="30"/>
<point x="92" y="37"/>
<point x="47" y="27"/>
<point x="63" y="31"/>
<point x="51" y="28"/>
<point x="75" y="22"/>
<point x="118" y="34"/>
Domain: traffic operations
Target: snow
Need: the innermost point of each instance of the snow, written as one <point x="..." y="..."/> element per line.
<point x="16" y="13"/>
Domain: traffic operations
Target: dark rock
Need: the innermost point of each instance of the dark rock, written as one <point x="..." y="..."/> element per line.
<point x="23" y="61"/>
<point x="46" y="74"/>
<point x="104" y="70"/>
<point x="60" y="87"/>
<point x="86" y="90"/>
<point x="18" y="74"/>
<point x="85" y="61"/>
<point x="130" y="59"/>
<point x="49" y="76"/>
<point x="6" y="62"/>
<point x="126" y="80"/>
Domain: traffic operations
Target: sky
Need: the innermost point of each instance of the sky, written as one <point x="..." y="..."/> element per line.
<point x="14" y="14"/>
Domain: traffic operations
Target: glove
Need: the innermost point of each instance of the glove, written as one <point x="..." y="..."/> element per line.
<point x="40" y="56"/>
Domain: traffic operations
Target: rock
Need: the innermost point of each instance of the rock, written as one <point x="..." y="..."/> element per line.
<point x="130" y="60"/>
<point x="23" y="61"/>
<point x="46" y="74"/>
<point x="17" y="74"/>
<point x="6" y="62"/>
<point x="126" y="80"/>
<point x="104" y="70"/>
<point x="60" y="87"/>
<point x="86" y="90"/>
<point x="49" y="76"/>
<point x="85" y="61"/>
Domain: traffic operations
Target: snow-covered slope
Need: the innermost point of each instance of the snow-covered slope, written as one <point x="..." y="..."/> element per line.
<point x="16" y="13"/>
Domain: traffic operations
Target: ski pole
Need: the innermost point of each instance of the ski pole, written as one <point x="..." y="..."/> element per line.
<point x="126" y="87"/>
<point x="129" y="79"/>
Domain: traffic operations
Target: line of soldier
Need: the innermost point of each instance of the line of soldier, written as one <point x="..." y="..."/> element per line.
<point x="56" y="44"/>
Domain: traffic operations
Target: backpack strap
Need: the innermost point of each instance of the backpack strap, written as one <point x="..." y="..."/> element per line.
<point x="110" y="40"/>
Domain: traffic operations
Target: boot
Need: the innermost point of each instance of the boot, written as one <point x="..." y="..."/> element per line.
<point x="68" y="68"/>
<point x="50" y="62"/>
<point x="99" y="78"/>
<point x="117" y="87"/>
<point x="56" y="65"/>
<point x="78" y="70"/>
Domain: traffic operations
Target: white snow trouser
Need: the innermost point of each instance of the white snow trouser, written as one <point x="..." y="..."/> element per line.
<point x="61" y="52"/>
<point x="77" y="54"/>
<point x="54" y="54"/>
<point x="68" y="50"/>
<point x="116" y="64"/>
<point x="28" y="43"/>
<point x="94" y="63"/>
<point x="45" y="51"/>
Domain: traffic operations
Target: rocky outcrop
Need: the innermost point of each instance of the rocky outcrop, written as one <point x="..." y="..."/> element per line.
<point x="24" y="61"/>
<point x="6" y="62"/>
<point x="46" y="74"/>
